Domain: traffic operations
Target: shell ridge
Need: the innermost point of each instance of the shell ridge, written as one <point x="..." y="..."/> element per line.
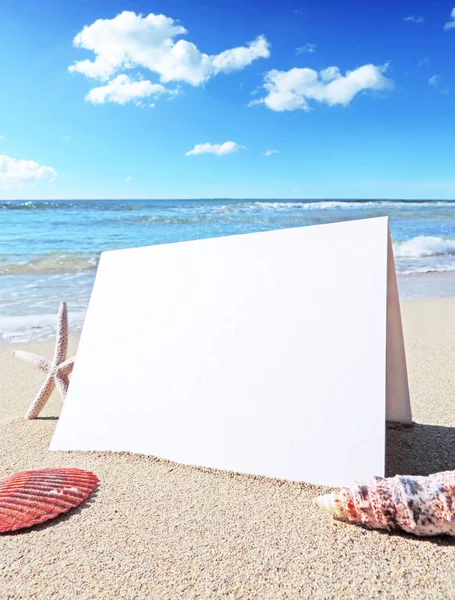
<point x="29" y="500"/>
<point x="31" y="497"/>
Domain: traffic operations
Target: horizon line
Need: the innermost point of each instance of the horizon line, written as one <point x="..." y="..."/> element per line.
<point x="216" y="199"/>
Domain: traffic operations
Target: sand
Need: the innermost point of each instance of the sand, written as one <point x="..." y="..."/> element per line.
<point x="155" y="529"/>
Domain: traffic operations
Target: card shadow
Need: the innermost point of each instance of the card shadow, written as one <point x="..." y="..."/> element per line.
<point x="419" y="449"/>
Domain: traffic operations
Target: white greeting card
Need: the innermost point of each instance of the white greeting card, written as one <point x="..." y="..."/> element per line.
<point x="274" y="353"/>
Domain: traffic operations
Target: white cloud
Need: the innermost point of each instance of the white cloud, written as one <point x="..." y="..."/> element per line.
<point x="66" y="138"/>
<point x="424" y="62"/>
<point x="128" y="178"/>
<point x="239" y="58"/>
<point x="23" y="173"/>
<point x="122" y="89"/>
<point x="434" y="80"/>
<point x="308" y="48"/>
<point x="132" y="41"/>
<point x="270" y="152"/>
<point x="291" y="90"/>
<point x="414" y="19"/>
<point x="2" y="137"/>
<point x="450" y="24"/>
<point x="218" y="149"/>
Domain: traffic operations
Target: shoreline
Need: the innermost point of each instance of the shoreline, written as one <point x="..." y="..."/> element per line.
<point x="427" y="285"/>
<point x="159" y="529"/>
<point x="29" y="328"/>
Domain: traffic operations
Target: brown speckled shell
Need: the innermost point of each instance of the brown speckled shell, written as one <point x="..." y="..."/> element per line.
<point x="423" y="506"/>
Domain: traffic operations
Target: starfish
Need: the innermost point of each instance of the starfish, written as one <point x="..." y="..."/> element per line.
<point x="57" y="370"/>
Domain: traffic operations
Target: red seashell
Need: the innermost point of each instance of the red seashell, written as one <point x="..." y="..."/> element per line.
<point x="31" y="497"/>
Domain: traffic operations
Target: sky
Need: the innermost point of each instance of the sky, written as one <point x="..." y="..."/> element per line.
<point x="211" y="99"/>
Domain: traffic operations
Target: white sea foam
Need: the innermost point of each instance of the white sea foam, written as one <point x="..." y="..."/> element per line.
<point x="424" y="246"/>
<point x="24" y="328"/>
<point x="350" y="204"/>
<point x="424" y="269"/>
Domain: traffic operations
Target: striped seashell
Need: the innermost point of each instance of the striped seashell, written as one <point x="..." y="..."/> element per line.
<point x="31" y="497"/>
<point x="423" y="506"/>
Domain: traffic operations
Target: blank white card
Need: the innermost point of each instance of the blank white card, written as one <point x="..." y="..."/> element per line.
<point x="270" y="353"/>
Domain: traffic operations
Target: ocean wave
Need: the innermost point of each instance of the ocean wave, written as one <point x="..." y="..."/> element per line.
<point x="217" y="205"/>
<point x="35" y="205"/>
<point x="53" y="262"/>
<point x="97" y="205"/>
<point x="425" y="269"/>
<point x="424" y="246"/>
<point x="352" y="204"/>
<point x="420" y="247"/>
<point x="302" y="204"/>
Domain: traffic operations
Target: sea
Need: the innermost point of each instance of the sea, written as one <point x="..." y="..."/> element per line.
<point x="49" y="250"/>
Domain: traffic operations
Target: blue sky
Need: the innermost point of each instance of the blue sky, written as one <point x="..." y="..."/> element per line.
<point x="249" y="78"/>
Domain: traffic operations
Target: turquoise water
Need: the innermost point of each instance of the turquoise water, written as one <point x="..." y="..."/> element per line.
<point x="49" y="250"/>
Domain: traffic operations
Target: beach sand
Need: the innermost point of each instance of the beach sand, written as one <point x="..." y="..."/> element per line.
<point x="155" y="529"/>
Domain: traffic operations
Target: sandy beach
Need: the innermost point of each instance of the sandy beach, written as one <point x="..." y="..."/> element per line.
<point x="156" y="529"/>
